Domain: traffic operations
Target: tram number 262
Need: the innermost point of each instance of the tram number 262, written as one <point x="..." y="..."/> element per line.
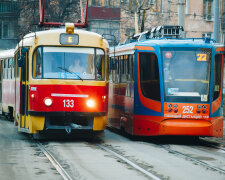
<point x="68" y="103"/>
<point x="187" y="109"/>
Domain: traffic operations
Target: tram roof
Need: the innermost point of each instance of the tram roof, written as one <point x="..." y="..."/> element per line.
<point x="192" y="42"/>
<point x="7" y="53"/>
<point x="29" y="39"/>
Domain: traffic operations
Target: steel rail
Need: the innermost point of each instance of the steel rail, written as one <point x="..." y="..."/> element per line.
<point x="129" y="162"/>
<point x="194" y="160"/>
<point x="210" y="144"/>
<point x="54" y="162"/>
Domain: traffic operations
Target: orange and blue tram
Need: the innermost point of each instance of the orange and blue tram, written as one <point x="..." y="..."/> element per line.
<point x="56" y="80"/>
<point x="161" y="84"/>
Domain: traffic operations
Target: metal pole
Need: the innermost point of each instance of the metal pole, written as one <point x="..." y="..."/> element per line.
<point x="216" y="21"/>
<point x="168" y="12"/>
<point x="181" y="13"/>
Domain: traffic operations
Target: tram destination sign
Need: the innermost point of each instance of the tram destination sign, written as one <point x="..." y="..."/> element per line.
<point x="69" y="39"/>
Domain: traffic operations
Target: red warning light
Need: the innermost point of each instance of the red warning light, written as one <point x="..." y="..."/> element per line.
<point x="168" y="55"/>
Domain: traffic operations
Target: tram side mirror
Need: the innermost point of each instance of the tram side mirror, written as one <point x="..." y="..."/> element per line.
<point x="21" y="58"/>
<point x="113" y="64"/>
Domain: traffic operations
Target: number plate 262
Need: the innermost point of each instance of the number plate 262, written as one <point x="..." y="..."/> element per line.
<point x="68" y="103"/>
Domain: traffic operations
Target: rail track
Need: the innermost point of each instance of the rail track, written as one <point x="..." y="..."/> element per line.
<point x="135" y="166"/>
<point x="65" y="175"/>
<point x="212" y="145"/>
<point x="192" y="159"/>
<point x="54" y="162"/>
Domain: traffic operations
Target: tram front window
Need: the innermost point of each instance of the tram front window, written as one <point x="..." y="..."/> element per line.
<point x="68" y="63"/>
<point x="186" y="74"/>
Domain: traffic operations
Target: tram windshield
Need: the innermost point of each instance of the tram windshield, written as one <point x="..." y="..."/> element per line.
<point x="68" y="63"/>
<point x="186" y="74"/>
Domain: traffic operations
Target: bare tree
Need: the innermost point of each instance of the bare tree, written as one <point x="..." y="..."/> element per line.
<point x="55" y="11"/>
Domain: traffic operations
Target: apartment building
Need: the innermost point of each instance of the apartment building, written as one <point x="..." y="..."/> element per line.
<point x="8" y="23"/>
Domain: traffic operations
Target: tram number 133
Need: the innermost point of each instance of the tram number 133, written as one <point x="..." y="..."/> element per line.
<point x="187" y="109"/>
<point x="68" y="103"/>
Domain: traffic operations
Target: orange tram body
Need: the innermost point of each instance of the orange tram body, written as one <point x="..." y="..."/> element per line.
<point x="56" y="79"/>
<point x="166" y="86"/>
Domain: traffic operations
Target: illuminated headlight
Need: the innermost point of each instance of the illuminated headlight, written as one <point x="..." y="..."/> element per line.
<point x="90" y="103"/>
<point x="48" y="102"/>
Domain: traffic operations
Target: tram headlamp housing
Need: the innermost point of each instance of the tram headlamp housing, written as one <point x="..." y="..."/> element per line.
<point x="90" y="103"/>
<point x="48" y="101"/>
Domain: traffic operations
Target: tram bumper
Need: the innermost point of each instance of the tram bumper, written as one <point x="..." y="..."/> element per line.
<point x="69" y="121"/>
<point x="192" y="127"/>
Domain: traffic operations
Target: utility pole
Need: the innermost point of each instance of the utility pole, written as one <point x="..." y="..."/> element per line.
<point x="216" y="21"/>
<point x="181" y="13"/>
<point x="168" y="12"/>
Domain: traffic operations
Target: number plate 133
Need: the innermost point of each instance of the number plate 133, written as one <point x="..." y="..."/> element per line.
<point x="68" y="103"/>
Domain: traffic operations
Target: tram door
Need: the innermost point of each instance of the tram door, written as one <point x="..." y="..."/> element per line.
<point x="24" y="91"/>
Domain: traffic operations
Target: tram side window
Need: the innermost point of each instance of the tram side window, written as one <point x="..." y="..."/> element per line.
<point x="217" y="76"/>
<point x="130" y="65"/>
<point x="9" y="68"/>
<point x="38" y="64"/>
<point x="6" y="69"/>
<point x="112" y="68"/>
<point x="117" y="77"/>
<point x="13" y="68"/>
<point x="124" y="69"/>
<point x="99" y="64"/>
<point x="17" y="70"/>
<point x="149" y="76"/>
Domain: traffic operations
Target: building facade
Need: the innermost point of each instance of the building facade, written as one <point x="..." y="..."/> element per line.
<point x="8" y="23"/>
<point x="197" y="16"/>
<point x="104" y="18"/>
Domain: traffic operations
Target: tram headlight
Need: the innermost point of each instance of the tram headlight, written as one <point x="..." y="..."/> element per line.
<point x="48" y="101"/>
<point x="90" y="103"/>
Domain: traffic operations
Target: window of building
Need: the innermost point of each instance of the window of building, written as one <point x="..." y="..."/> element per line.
<point x="105" y="3"/>
<point x="208" y="10"/>
<point x="7" y="30"/>
<point x="7" y="7"/>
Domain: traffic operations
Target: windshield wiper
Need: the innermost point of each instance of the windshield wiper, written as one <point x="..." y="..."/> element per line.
<point x="67" y="70"/>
